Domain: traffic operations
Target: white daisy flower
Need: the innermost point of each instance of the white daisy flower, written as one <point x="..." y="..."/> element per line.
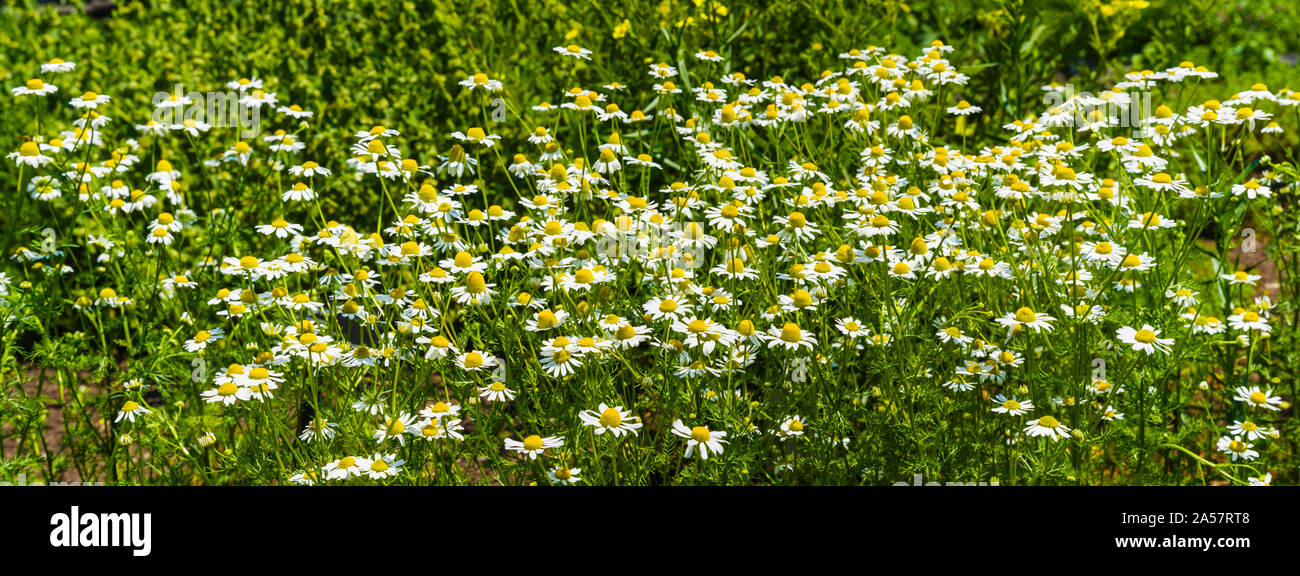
<point x="700" y="437"/>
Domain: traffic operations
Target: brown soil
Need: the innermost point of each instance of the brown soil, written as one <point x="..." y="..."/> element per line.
<point x="54" y="427"/>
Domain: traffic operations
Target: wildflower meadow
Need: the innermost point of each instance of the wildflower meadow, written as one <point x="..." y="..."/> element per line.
<point x="661" y="243"/>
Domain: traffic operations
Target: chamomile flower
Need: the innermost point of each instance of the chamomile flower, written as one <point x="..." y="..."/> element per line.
<point x="481" y="81"/>
<point x="475" y="361"/>
<point x="791" y="427"/>
<point x="34" y="87"/>
<point x="29" y="154"/>
<point x="1147" y="339"/>
<point x="667" y="307"/>
<point x="851" y="328"/>
<point x="439" y="429"/>
<point x="614" y="420"/>
<point x="57" y="65"/>
<point x="344" y="468"/>
<point x="533" y="445"/>
<point x="1255" y="397"/>
<point x="319" y="429"/>
<point x="791" y="337"/>
<point x="90" y="100"/>
<point x="1047" y="426"/>
<point x="964" y="108"/>
<point x="203" y="338"/>
<point x="564" y="475"/>
<point x="279" y="228"/>
<point x="708" y="56"/>
<point x="1246" y="320"/>
<point x="1236" y="448"/>
<point x="1241" y="277"/>
<point x="1012" y="406"/>
<point x="1182" y="296"/>
<point x="1251" y="430"/>
<point x="573" y="51"/>
<point x="395" y="428"/>
<point x="295" y="111"/>
<point x="558" y="360"/>
<point x="700" y="439"/>
<point x="477" y="136"/>
<point x="380" y="466"/>
<point x="1025" y="316"/>
<point x="496" y="392"/>
<point x="227" y="394"/>
<point x="1251" y="189"/>
<point x="129" y="410"/>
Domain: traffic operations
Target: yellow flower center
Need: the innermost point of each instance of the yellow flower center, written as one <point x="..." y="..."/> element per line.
<point x="791" y="333"/>
<point x="475" y="284"/>
<point x="533" y="442"/>
<point x="700" y="434"/>
<point x="394" y="426"/>
<point x="464" y="260"/>
<point x="610" y="418"/>
<point x="473" y="360"/>
<point x="1025" y="315"/>
<point x="546" y="319"/>
<point x="802" y="299"/>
